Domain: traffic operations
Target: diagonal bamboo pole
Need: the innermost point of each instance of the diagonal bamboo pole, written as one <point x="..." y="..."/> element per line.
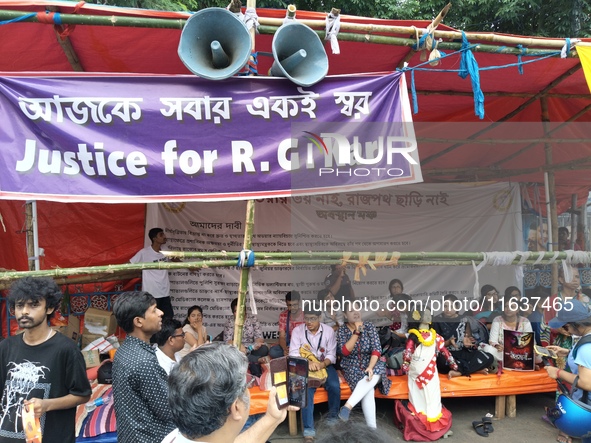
<point x="508" y="116"/>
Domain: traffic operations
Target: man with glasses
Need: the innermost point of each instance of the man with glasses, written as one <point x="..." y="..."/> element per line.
<point x="209" y="399"/>
<point x="169" y="340"/>
<point x="319" y="340"/>
<point x="288" y="320"/>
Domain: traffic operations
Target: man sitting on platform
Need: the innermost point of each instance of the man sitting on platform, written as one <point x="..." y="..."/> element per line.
<point x="290" y="318"/>
<point x="317" y="342"/>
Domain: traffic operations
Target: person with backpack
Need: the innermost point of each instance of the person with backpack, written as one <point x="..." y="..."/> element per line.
<point x="576" y="318"/>
<point x="463" y="335"/>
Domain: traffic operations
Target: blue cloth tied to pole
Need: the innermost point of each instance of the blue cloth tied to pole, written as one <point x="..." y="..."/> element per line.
<point x="469" y="66"/>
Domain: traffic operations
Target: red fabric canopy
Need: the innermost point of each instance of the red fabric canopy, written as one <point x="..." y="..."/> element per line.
<point x="446" y="112"/>
<point x="442" y="96"/>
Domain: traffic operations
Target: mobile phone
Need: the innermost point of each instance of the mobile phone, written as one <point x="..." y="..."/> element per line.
<point x="545" y="352"/>
<point x="298" y="381"/>
<point x="278" y="367"/>
<point x="290" y="377"/>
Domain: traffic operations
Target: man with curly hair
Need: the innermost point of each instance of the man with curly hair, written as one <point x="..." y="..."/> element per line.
<point x="40" y="369"/>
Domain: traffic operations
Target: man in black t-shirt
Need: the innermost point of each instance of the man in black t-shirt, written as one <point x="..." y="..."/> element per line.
<point x="40" y="369"/>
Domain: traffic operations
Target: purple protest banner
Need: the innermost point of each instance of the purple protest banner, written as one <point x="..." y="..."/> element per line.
<point x="153" y="139"/>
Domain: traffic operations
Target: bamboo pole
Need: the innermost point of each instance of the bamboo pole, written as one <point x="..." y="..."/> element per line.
<point x="552" y="214"/>
<point x="320" y="259"/>
<point x="498" y="141"/>
<point x="507" y="116"/>
<point x="496" y="172"/>
<point x="85" y="279"/>
<point x="269" y="25"/>
<point x="244" y="273"/>
<point x="410" y="30"/>
<point x="29" y="235"/>
<point x="247" y="244"/>
<point x="410" y="42"/>
<point x="66" y="45"/>
<point x="500" y="94"/>
<point x="337" y="256"/>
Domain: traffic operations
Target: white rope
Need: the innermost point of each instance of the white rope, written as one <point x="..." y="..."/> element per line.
<point x="253" y="304"/>
<point x="500" y="258"/>
<point x="525" y="255"/>
<point x="539" y="259"/>
<point x="553" y="258"/>
<point x="519" y="268"/>
<point x="573" y="42"/>
<point x="2" y="221"/>
<point x="251" y="19"/>
<point x="477" y="268"/>
<point x="287" y="18"/>
<point x="577" y="257"/>
<point x="567" y="271"/>
<point x="333" y="25"/>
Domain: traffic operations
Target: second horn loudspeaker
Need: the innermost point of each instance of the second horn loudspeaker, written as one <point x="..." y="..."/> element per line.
<point x="214" y="44"/>
<point x="299" y="55"/>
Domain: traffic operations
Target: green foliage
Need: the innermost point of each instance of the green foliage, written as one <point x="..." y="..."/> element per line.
<point x="556" y="18"/>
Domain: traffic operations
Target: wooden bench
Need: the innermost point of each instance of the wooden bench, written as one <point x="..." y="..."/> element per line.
<point x="504" y="388"/>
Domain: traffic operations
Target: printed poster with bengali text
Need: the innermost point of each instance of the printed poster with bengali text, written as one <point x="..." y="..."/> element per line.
<point x="410" y="218"/>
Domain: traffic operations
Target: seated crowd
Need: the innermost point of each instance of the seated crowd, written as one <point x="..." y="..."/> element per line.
<point x="172" y="383"/>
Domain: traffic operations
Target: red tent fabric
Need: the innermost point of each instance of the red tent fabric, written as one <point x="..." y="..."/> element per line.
<point x="446" y="112"/>
<point x="443" y="97"/>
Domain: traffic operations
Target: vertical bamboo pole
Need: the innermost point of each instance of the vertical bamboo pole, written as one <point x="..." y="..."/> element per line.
<point x="244" y="272"/>
<point x="247" y="244"/>
<point x="30" y="235"/>
<point x="583" y="225"/>
<point x="574" y="220"/>
<point x="552" y="215"/>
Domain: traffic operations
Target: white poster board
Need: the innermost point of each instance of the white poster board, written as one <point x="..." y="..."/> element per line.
<point x="413" y="218"/>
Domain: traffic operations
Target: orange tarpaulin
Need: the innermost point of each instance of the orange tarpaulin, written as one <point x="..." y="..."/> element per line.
<point x="478" y="385"/>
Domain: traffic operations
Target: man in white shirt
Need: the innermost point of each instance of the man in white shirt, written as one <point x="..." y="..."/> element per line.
<point x="169" y="340"/>
<point x="319" y="339"/>
<point x="155" y="281"/>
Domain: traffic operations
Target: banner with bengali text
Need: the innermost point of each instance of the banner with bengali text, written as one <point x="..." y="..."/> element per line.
<point x="183" y="138"/>
<point x="410" y="218"/>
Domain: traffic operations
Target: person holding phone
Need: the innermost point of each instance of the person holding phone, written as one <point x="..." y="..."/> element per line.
<point x="318" y="341"/>
<point x="576" y="318"/>
<point x="209" y="399"/>
<point x="358" y="343"/>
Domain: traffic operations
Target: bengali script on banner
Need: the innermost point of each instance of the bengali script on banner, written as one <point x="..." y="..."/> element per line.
<point x="131" y="139"/>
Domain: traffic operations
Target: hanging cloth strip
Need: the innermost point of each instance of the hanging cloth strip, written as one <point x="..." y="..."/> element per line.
<point x="333" y="25"/>
<point x="251" y="19"/>
<point x="469" y="66"/>
<point x="381" y="259"/>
